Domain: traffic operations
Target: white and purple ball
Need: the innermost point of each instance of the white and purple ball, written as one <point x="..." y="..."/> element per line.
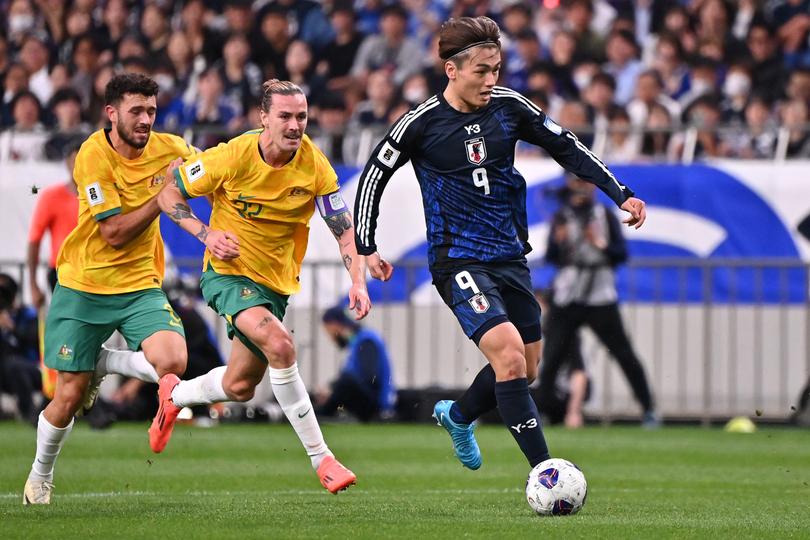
<point x="556" y="487"/>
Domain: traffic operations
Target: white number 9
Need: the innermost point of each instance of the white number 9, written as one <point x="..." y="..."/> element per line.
<point x="480" y="179"/>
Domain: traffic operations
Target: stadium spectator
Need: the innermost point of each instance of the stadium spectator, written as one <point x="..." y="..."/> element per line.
<point x="210" y="108"/>
<point x="155" y="28"/>
<point x="66" y="108"/>
<point x="78" y="23"/>
<point x="574" y="114"/>
<point x="338" y="55"/>
<point x="301" y="69"/>
<point x="391" y="50"/>
<point x="130" y="46"/>
<point x="35" y="56"/>
<point x="768" y="71"/>
<point x="309" y="22"/>
<point x="650" y="90"/>
<point x="115" y="23"/>
<point x="364" y="387"/>
<point x="622" y="62"/>
<point x="736" y="93"/>
<point x="14" y="82"/>
<point x="578" y="20"/>
<point x="95" y="111"/>
<point x="242" y="78"/>
<point x="793" y="116"/>
<point x="331" y="126"/>
<point x="25" y="140"/>
<point x="370" y="118"/>
<point x="598" y="96"/>
<point x="656" y="142"/>
<point x="56" y="212"/>
<point x="526" y="52"/>
<point x="21" y="19"/>
<point x="703" y="80"/>
<point x="798" y="86"/>
<point x="758" y="138"/>
<point x="622" y="145"/>
<point x="703" y="115"/>
<point x="668" y="62"/>
<point x="415" y="89"/>
<point x="19" y="349"/>
<point x="181" y="57"/>
<point x="269" y="44"/>
<point x="586" y="244"/>
<point x="5" y="59"/>
<point x="562" y="55"/>
<point x="85" y="62"/>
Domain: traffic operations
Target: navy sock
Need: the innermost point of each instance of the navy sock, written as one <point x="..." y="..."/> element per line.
<point x="477" y="400"/>
<point x="520" y="415"/>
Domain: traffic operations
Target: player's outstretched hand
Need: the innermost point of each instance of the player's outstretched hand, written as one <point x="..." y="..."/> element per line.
<point x="638" y="212"/>
<point x="379" y="267"/>
<point x="359" y="301"/>
<point x="222" y="244"/>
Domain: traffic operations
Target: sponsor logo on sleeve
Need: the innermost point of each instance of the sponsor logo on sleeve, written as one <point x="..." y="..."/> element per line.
<point x="195" y="171"/>
<point x="388" y="155"/>
<point x="94" y="194"/>
<point x="552" y="126"/>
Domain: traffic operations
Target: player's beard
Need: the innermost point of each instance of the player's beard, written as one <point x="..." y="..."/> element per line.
<point x="127" y="138"/>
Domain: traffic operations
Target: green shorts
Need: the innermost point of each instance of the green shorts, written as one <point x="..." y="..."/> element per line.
<point x="230" y="295"/>
<point x="79" y="322"/>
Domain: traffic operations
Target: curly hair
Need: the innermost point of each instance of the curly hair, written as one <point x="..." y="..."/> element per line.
<point x="129" y="83"/>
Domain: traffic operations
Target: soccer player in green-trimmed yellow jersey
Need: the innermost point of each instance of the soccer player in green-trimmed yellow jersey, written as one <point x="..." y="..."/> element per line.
<point x="265" y="185"/>
<point x="110" y="270"/>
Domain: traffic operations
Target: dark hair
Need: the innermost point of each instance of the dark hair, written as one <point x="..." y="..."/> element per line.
<point x="276" y="87"/>
<point x="458" y="35"/>
<point x="8" y="291"/>
<point x="129" y="83"/>
<point x="64" y="94"/>
<point x="602" y="77"/>
<point x="337" y="314"/>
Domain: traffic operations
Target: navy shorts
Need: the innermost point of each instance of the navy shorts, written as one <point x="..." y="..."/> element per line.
<point x="484" y="295"/>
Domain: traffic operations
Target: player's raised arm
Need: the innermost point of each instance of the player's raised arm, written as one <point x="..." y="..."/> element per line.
<point x="222" y="244"/>
<point x="339" y="220"/>
<point x="573" y="156"/>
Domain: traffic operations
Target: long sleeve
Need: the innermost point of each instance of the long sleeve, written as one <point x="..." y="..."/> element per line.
<point x="389" y="155"/>
<point x="564" y="147"/>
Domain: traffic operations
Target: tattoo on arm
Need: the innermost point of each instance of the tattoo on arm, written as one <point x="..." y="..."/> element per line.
<point x="339" y="223"/>
<point x="347" y="262"/>
<point x="181" y="211"/>
<point x="203" y="234"/>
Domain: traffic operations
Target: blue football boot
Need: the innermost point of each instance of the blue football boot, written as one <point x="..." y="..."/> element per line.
<point x="464" y="442"/>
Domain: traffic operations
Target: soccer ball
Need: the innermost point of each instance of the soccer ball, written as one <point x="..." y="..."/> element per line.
<point x="556" y="487"/>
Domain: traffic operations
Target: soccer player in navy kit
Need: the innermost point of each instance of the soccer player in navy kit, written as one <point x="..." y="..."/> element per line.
<point x="462" y="146"/>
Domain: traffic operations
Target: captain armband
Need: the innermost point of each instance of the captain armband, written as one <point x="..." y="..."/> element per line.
<point x="331" y="205"/>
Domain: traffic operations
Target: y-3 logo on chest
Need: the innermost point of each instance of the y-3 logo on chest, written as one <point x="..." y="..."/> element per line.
<point x="473" y="128"/>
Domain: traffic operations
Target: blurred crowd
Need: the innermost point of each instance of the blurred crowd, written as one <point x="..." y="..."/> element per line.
<point x="629" y="77"/>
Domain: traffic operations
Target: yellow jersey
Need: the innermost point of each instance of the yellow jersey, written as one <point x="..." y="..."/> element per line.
<point x="267" y="208"/>
<point x="111" y="184"/>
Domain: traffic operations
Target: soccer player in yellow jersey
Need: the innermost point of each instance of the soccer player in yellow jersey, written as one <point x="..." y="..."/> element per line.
<point x="265" y="186"/>
<point x="110" y="269"/>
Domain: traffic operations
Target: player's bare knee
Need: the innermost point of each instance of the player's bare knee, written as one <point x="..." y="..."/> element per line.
<point x="241" y="390"/>
<point x="280" y="351"/>
<point x="510" y="365"/>
<point x="172" y="362"/>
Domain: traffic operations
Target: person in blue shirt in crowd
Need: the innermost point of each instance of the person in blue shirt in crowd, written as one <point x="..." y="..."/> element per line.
<point x="364" y="386"/>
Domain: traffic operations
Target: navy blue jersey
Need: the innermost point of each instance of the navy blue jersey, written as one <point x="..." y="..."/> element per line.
<point x="474" y="198"/>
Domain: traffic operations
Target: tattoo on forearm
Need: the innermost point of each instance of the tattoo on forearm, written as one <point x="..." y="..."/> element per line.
<point x="339" y="223"/>
<point x="347" y="261"/>
<point x="181" y="211"/>
<point x="202" y="236"/>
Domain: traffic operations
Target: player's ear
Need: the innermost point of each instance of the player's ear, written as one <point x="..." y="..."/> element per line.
<point x="112" y="113"/>
<point x="451" y="70"/>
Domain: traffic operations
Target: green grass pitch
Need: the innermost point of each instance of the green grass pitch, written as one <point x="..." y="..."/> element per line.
<point x="254" y="481"/>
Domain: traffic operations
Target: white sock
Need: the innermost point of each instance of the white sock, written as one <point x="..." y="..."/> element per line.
<point x="49" y="442"/>
<point x="292" y="396"/>
<point x="127" y="363"/>
<point x="202" y="390"/>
